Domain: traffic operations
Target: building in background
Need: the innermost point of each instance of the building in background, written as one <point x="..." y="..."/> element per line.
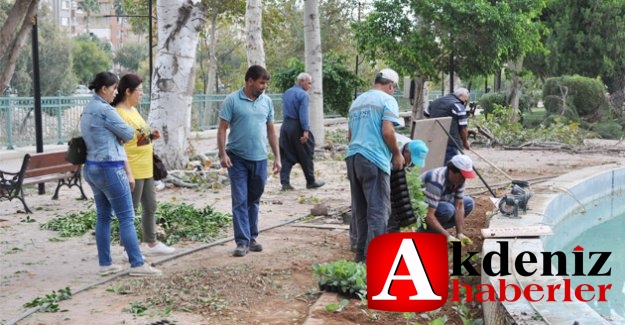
<point x="112" y="29"/>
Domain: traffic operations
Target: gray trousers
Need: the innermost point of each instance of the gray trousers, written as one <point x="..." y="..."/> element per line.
<point x="145" y="194"/>
<point x="371" y="197"/>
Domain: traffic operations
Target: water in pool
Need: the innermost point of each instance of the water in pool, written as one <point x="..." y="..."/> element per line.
<point x="600" y="229"/>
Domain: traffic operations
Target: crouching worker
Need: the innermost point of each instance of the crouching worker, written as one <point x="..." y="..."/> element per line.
<point x="444" y="195"/>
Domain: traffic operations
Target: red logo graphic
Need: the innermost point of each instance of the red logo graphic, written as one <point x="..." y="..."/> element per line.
<point x="407" y="272"/>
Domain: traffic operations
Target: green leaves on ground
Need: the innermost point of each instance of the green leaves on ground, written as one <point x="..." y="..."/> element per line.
<point x="178" y="222"/>
<point x="49" y="303"/>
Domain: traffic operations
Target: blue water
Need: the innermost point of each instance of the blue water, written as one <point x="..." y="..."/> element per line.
<point x="604" y="223"/>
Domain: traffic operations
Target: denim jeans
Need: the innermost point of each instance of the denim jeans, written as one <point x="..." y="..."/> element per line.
<point x="112" y="194"/>
<point x="247" y="184"/>
<point x="446" y="211"/>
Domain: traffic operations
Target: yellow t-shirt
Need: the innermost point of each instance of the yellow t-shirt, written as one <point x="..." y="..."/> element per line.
<point x="140" y="148"/>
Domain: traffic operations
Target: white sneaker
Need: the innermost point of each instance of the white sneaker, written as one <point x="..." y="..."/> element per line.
<point x="144" y="270"/>
<point x="159" y="249"/>
<point x="110" y="269"/>
<point x="125" y="257"/>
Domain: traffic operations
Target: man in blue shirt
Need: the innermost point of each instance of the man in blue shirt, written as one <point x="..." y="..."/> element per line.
<point x="453" y="105"/>
<point x="250" y="114"/>
<point x="371" y="154"/>
<point x="297" y="144"/>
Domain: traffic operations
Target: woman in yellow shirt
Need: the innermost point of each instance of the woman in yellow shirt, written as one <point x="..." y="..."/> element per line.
<point x="139" y="151"/>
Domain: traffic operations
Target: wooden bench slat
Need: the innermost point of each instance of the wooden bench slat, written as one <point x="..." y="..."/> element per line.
<point x="50" y="170"/>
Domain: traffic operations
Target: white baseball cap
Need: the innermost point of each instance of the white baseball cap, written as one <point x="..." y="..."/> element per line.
<point x="464" y="163"/>
<point x="389" y="74"/>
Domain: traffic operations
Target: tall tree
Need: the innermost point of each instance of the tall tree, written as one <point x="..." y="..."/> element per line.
<point x="18" y="23"/>
<point x="179" y="25"/>
<point x="424" y="38"/>
<point x="587" y="39"/>
<point x="216" y="9"/>
<point x="89" y="7"/>
<point x="314" y="66"/>
<point x="254" y="33"/>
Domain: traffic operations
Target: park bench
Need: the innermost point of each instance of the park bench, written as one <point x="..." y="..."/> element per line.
<point x="40" y="168"/>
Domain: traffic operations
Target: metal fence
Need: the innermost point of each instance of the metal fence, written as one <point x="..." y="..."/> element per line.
<point x="61" y="115"/>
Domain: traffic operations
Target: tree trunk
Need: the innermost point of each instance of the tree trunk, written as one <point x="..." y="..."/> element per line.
<point x="254" y="33"/>
<point x="212" y="83"/>
<point x="515" y="89"/>
<point x="314" y="66"/>
<point x="420" y="98"/>
<point x="616" y="97"/>
<point x="179" y="25"/>
<point x="13" y="35"/>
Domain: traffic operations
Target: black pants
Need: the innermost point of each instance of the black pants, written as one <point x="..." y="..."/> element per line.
<point x="292" y="151"/>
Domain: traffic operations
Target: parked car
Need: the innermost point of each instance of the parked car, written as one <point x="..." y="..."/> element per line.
<point x="82" y="90"/>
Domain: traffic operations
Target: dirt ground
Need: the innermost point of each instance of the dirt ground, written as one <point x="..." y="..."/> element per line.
<point x="204" y="284"/>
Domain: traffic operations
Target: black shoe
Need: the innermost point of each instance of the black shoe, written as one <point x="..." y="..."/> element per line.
<point x="287" y="187"/>
<point x="255" y="246"/>
<point x="241" y="250"/>
<point x="315" y="185"/>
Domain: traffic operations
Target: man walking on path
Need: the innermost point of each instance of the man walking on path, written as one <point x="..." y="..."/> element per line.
<point x="372" y="153"/>
<point x="297" y="144"/>
<point x="453" y="105"/>
<point x="249" y="113"/>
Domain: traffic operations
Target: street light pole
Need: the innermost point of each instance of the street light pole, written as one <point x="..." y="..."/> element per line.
<point x="150" y="20"/>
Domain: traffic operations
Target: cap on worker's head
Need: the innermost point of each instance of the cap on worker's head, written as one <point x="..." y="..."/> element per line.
<point x="464" y="163"/>
<point x="418" y="151"/>
<point x="388" y="74"/>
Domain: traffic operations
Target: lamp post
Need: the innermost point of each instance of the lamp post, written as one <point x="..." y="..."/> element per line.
<point x="150" y="20"/>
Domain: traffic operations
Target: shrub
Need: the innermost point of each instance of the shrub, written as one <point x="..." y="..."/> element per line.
<point x="575" y="97"/>
<point x="487" y="102"/>
<point x="608" y="129"/>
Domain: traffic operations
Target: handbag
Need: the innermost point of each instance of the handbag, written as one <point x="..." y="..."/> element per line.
<point x="160" y="171"/>
<point x="76" y="151"/>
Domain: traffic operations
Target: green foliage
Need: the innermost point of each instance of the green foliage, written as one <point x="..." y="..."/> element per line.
<point x="489" y="100"/>
<point x="183" y="221"/>
<point x="49" y="303"/>
<point x="344" y="276"/>
<point x="585" y="39"/>
<point x="420" y="36"/>
<point x="179" y="222"/>
<point x="608" y="130"/>
<point x="89" y="59"/>
<point x="575" y="97"/>
<point x="55" y="61"/>
<point x="417" y="198"/>
<point x="337" y="307"/>
<point x="131" y="55"/>
<point x="338" y="82"/>
<point x="513" y="134"/>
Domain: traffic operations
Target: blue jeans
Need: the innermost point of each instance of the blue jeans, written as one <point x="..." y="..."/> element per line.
<point x="446" y="211"/>
<point x="247" y="184"/>
<point x="112" y="194"/>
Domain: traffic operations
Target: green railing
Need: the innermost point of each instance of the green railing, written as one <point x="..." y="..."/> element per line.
<point x="60" y="116"/>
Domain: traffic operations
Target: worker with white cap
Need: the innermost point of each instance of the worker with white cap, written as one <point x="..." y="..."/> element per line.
<point x="444" y="195"/>
<point x="372" y="153"/>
